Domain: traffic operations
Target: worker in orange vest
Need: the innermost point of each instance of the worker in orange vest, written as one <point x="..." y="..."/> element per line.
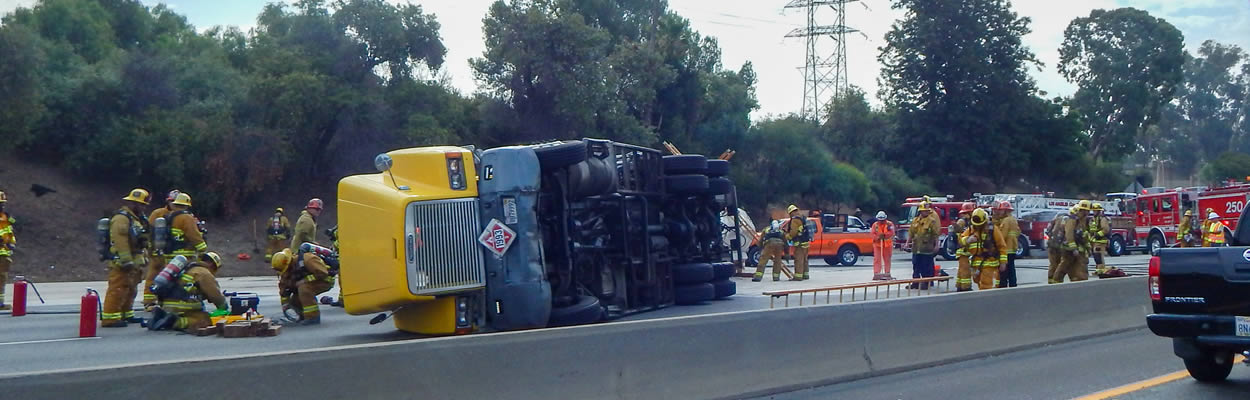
<point x="1214" y="232"/>
<point x="882" y="247"/>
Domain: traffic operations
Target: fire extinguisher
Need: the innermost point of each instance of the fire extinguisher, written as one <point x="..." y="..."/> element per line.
<point x="19" y="296"/>
<point x="87" y="320"/>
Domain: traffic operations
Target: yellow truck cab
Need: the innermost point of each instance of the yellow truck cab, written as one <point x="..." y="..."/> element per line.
<point x="455" y="240"/>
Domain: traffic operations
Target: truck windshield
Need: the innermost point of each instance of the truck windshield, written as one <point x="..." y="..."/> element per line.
<point x="909" y="213"/>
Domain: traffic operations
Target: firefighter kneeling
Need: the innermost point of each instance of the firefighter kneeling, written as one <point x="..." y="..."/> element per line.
<point x="181" y="294"/>
<point x="304" y="276"/>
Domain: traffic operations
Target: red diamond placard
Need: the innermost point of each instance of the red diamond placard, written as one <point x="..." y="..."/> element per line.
<point x="497" y="237"/>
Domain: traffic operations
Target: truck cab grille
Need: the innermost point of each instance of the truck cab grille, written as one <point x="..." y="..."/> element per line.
<point x="440" y="246"/>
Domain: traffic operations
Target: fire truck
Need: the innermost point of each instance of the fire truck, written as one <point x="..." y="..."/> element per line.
<point x="1157" y="212"/>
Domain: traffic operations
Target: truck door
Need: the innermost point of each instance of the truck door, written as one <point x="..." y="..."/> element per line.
<point x="828" y="226"/>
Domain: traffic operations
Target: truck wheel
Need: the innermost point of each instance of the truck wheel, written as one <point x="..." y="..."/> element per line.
<point x="717" y="168"/>
<point x="693" y="273"/>
<point x="585" y="310"/>
<point x="1116" y="247"/>
<point x="686" y="184"/>
<point x="694" y="294"/>
<point x="848" y="255"/>
<point x="725" y="288"/>
<point x="556" y="155"/>
<point x="722" y="270"/>
<point x="832" y="261"/>
<point x="1022" y="246"/>
<point x="1154" y="244"/>
<point x="685" y="164"/>
<point x="753" y="257"/>
<point x="719" y="186"/>
<point x="1209" y="368"/>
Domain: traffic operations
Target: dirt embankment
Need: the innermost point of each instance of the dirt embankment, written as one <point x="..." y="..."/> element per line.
<point x="56" y="231"/>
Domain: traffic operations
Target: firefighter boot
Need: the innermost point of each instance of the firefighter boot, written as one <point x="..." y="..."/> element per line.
<point x="162" y="320"/>
<point x="759" y="276"/>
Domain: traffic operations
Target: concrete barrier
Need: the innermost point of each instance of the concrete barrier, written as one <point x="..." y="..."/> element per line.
<point x="711" y="356"/>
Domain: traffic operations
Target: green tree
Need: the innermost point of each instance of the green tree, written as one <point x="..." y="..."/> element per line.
<point x="956" y="73"/>
<point x="1127" y="65"/>
<point x="780" y="164"/>
<point x="1229" y="165"/>
<point x="857" y="132"/>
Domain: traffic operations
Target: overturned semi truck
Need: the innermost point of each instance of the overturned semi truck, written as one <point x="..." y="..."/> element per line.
<point x="453" y="240"/>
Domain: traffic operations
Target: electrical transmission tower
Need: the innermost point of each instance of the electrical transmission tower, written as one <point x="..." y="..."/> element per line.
<point x="824" y="74"/>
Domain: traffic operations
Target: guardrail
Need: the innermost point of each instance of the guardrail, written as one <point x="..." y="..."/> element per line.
<point x="841" y="289"/>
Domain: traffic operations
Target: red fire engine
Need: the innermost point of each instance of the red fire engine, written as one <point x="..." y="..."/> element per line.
<point x="1158" y="212"/>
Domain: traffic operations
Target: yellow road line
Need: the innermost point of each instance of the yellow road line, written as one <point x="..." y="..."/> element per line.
<point x="1139" y="385"/>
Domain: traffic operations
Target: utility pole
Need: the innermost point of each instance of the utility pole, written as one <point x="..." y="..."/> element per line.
<point x="824" y="70"/>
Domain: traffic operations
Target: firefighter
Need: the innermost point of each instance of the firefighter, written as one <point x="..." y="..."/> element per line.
<point x="1215" y="231"/>
<point x="882" y="247"/>
<point x="8" y="243"/>
<point x="1187" y="233"/>
<point x="185" y="311"/>
<point x="985" y="248"/>
<point x="128" y="248"/>
<point x="185" y="238"/>
<point x="158" y="256"/>
<point x="304" y="275"/>
<point x="279" y="231"/>
<point x="1007" y="225"/>
<point x="1074" y="262"/>
<point x="923" y="235"/>
<point x="1099" y="229"/>
<point x="1054" y="243"/>
<point x="800" y="238"/>
<point x="963" y="278"/>
<point x="774" y="245"/>
<point x="306" y="225"/>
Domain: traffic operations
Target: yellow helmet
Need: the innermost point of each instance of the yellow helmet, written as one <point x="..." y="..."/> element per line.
<point x="183" y="199"/>
<point x="791" y="209"/>
<point x="979" y="217"/>
<point x="213" y="258"/>
<point x="138" y="195"/>
<point x="1075" y="209"/>
<point x="1083" y="205"/>
<point x="281" y="260"/>
<point x="279" y="210"/>
<point x="1097" y="206"/>
<point x="4" y="197"/>
<point x="924" y="206"/>
<point x="1189" y="213"/>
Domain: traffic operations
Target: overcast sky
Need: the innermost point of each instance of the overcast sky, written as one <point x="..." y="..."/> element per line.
<point x="754" y="30"/>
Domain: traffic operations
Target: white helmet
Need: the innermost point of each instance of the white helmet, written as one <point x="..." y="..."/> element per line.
<point x="881" y="215"/>
<point x="1213" y="215"/>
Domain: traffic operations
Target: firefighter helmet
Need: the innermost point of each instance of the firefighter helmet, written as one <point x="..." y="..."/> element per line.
<point x="979" y="217"/>
<point x="279" y="210"/>
<point x="3" y="197"/>
<point x="1189" y="213"/>
<point x="138" y="195"/>
<point x="213" y="258"/>
<point x="173" y="195"/>
<point x="791" y="209"/>
<point x="1004" y="205"/>
<point x="1097" y="206"/>
<point x="183" y="199"/>
<point x="967" y="207"/>
<point x="281" y="260"/>
<point x="315" y="204"/>
<point x="1083" y="205"/>
<point x="924" y="206"/>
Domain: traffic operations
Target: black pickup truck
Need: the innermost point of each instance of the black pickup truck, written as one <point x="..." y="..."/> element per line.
<point x="1201" y="299"/>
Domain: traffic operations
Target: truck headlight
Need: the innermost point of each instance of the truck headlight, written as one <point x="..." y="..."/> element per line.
<point x="455" y="171"/>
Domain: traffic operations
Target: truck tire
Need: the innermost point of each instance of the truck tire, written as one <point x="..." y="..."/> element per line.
<point x="1022" y="246"/>
<point x="717" y="168"/>
<point x="753" y="257"/>
<point x="686" y="184"/>
<point x="694" y="293"/>
<point x="725" y="288"/>
<point x="832" y="261"/>
<point x="848" y="254"/>
<point x="1208" y="369"/>
<point x="722" y="270"/>
<point x="685" y="164"/>
<point x="1116" y="247"/>
<point x="556" y="155"/>
<point x="1154" y="243"/>
<point x="693" y="273"/>
<point x="585" y="310"/>
<point x="719" y="186"/>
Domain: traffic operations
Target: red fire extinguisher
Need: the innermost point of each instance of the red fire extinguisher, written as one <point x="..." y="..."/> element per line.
<point x="87" y="320"/>
<point x="19" y="296"/>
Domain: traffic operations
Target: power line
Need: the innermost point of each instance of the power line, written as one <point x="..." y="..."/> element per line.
<point x="825" y="65"/>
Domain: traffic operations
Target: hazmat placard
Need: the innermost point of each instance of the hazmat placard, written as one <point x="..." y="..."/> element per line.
<point x="497" y="237"/>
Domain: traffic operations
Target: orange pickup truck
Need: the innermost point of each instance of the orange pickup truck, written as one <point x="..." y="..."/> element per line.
<point x="837" y="238"/>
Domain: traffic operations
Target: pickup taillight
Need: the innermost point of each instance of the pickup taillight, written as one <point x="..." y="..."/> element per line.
<point x="1153" y="282"/>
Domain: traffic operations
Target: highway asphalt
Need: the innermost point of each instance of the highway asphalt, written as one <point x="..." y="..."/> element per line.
<point x="47" y="342"/>
<point x="1128" y="365"/>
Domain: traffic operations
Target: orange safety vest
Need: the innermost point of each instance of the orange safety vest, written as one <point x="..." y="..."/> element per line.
<point x="883" y="227"/>
<point x="1215" y="233"/>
